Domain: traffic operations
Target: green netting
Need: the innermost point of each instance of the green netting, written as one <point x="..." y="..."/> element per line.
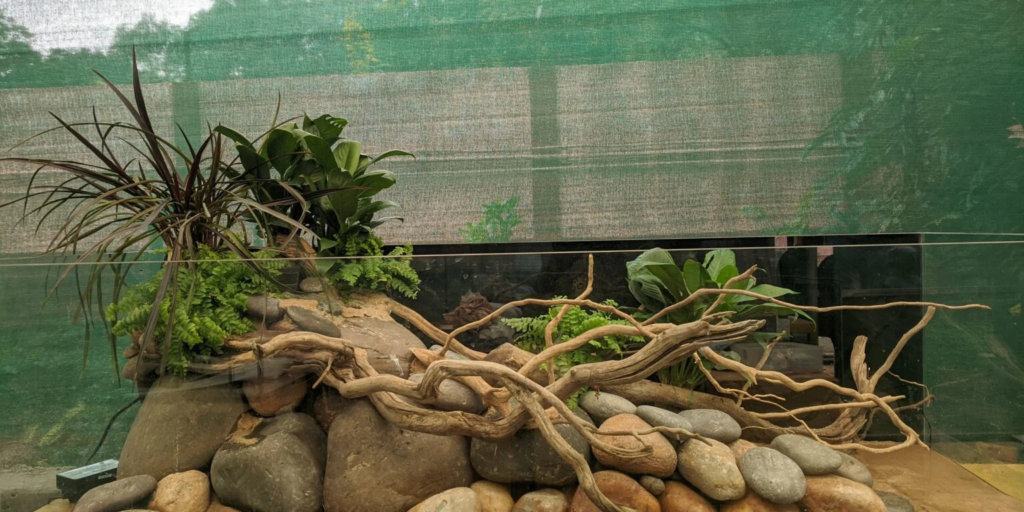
<point x="608" y="119"/>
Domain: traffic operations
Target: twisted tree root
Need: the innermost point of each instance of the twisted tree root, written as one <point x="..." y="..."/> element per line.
<point x="345" y="367"/>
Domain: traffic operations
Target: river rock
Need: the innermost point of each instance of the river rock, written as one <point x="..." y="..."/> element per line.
<point x="894" y="502"/>
<point x="117" y="495"/>
<point x="619" y="488"/>
<point x="773" y="476"/>
<point x="453" y="395"/>
<point x="188" y="491"/>
<point x="527" y="457"/>
<point x="654" y="485"/>
<point x="312" y="285"/>
<point x="837" y="494"/>
<point x="658" y="417"/>
<point x="308" y="320"/>
<point x="386" y="343"/>
<point x="813" y="457"/>
<point x="754" y="503"/>
<point x="61" y="505"/>
<point x="661" y="462"/>
<point x="327" y="405"/>
<point x="740" y="447"/>
<point x="713" y="423"/>
<point x="602" y="406"/>
<point x="679" y="497"/>
<point x="217" y="506"/>
<point x="264" y="309"/>
<point x="544" y="500"/>
<point x="711" y="467"/>
<point x="271" y="464"/>
<point x="459" y="499"/>
<point x="374" y="466"/>
<point x="180" y="426"/>
<point x="494" y="497"/>
<point x="269" y="396"/>
<point x="855" y="470"/>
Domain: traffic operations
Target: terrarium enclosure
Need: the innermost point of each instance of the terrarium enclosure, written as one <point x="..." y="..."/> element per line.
<point x="455" y="256"/>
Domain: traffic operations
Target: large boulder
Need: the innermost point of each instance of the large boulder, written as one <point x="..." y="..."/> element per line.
<point x="386" y="343"/>
<point x="527" y="457"/>
<point x="180" y="425"/>
<point x="374" y="466"/>
<point x="272" y="464"/>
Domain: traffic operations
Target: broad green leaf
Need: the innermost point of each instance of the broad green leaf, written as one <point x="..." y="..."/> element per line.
<point x="725" y="274"/>
<point x="693" y="275"/>
<point x="391" y="154"/>
<point x="280" y="148"/>
<point x="717" y="261"/>
<point x="233" y="135"/>
<point x="347" y="155"/>
<point x="321" y="151"/>
<point x="329" y="127"/>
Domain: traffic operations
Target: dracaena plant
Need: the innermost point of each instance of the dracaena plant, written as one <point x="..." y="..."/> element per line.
<point x="121" y="204"/>
<point x="338" y="185"/>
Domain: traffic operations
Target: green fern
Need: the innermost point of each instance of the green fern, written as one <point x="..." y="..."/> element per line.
<point x="575" y="322"/>
<point x="372" y="270"/>
<point x="210" y="300"/>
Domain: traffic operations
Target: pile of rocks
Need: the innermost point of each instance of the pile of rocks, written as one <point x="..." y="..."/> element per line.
<point x="262" y="440"/>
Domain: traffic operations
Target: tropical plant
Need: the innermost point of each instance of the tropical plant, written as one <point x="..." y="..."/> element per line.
<point x="339" y="186"/>
<point x="499" y="220"/>
<point x="576" y="321"/>
<point x="657" y="282"/>
<point x="211" y="305"/>
<point x="124" y="203"/>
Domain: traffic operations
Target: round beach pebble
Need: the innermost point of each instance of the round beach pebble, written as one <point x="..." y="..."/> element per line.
<point x="713" y="423"/>
<point x="602" y="406"/>
<point x="740" y="447"/>
<point x="773" y="476"/>
<point x="654" y="485"/>
<point x="661" y="462"/>
<point x="894" y="502"/>
<point x="544" y="500"/>
<point x="493" y="497"/>
<point x="837" y="494"/>
<point x="813" y="457"/>
<point x="711" y="467"/>
<point x="658" y="417"/>
<point x="679" y="497"/>
<point x="855" y="470"/>
<point x="620" y="489"/>
<point x="754" y="503"/>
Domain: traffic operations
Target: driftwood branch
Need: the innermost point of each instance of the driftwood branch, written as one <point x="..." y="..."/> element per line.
<point x="517" y="398"/>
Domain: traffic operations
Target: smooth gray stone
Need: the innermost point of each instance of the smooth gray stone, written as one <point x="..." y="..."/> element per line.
<point x="307" y="320"/>
<point x="312" y="285"/>
<point x="658" y="417"/>
<point x="894" y="502"/>
<point x="654" y="485"/>
<point x="264" y="309"/>
<point x="602" y="406"/>
<point x="117" y="495"/>
<point x="453" y="395"/>
<point x="713" y="423"/>
<point x="813" y="457"/>
<point x="773" y="476"/>
<point x="855" y="470"/>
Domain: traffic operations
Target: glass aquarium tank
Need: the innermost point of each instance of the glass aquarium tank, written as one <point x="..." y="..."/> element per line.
<point x="681" y="256"/>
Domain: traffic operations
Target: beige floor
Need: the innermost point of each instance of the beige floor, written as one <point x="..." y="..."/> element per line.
<point x="934" y="483"/>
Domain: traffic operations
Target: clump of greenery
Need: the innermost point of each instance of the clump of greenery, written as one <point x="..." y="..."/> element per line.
<point x="575" y="322"/>
<point x="337" y="184"/>
<point x="657" y="282"/>
<point x="207" y="304"/>
<point x="391" y="273"/>
<point x="499" y="219"/>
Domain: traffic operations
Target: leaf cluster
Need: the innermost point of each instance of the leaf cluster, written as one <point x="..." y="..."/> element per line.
<point x="209" y="304"/>
<point x="375" y="270"/>
<point x="499" y="220"/>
